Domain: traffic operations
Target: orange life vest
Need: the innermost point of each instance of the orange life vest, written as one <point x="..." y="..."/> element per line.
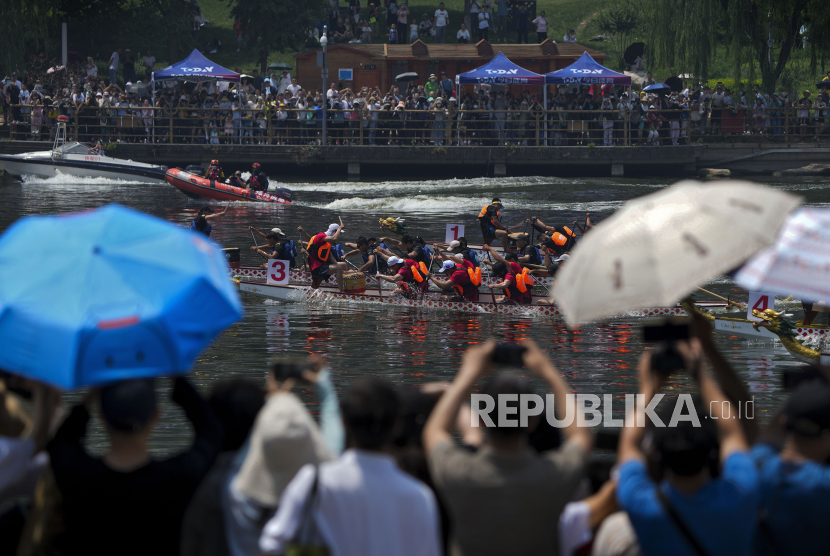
<point x="523" y="280"/>
<point x="323" y="251"/>
<point x="475" y="275"/>
<point x="483" y="213"/>
<point x="414" y="268"/>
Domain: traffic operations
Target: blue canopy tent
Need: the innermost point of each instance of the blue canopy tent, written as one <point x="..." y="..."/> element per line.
<point x="196" y="69"/>
<point x="585" y="71"/>
<point x="500" y="71"/>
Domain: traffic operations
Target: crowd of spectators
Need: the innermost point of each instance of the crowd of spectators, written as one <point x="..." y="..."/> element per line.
<point x="392" y="21"/>
<point x="412" y="471"/>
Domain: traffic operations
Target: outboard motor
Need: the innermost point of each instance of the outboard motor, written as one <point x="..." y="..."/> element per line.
<point x="282" y="192"/>
<point x="195" y="170"/>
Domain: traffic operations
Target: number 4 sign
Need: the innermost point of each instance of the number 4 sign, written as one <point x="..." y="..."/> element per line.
<point x="277" y="272"/>
<point x="454" y="231"/>
<point x="759" y="302"/>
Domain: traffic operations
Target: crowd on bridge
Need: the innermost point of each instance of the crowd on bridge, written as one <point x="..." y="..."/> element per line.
<point x="276" y="109"/>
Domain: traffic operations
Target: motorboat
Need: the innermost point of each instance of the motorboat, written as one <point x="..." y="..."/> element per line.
<point x="79" y="160"/>
<point x="199" y="187"/>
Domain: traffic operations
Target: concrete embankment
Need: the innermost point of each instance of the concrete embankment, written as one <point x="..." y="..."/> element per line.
<point x="339" y="162"/>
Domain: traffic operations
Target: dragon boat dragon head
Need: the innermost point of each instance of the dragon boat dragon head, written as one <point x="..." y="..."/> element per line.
<point x="775" y="322"/>
<point x="394" y="225"/>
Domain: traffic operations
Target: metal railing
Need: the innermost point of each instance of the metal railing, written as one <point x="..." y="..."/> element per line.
<point x="517" y="128"/>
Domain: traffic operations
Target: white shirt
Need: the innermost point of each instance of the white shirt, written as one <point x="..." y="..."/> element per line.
<point x="366" y="506"/>
<point x="149" y="62"/>
<point x="483" y="20"/>
<point x="292" y="88"/>
<point x="541" y="24"/>
<point x="441" y="17"/>
<point x="463" y="34"/>
<point x="114" y="64"/>
<point x="285" y="83"/>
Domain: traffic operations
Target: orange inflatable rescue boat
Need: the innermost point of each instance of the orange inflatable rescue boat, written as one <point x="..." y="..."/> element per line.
<point x="197" y="187"/>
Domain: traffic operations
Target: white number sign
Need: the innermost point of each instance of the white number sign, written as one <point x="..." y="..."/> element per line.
<point x="454" y="231"/>
<point x="759" y="302"/>
<point x="277" y="272"/>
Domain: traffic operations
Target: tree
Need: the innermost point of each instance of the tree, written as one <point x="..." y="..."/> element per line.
<point x="619" y="23"/>
<point x="686" y="33"/>
<point x="26" y="26"/>
<point x="276" y="24"/>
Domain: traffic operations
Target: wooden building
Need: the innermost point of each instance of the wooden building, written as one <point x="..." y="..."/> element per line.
<point x="376" y="65"/>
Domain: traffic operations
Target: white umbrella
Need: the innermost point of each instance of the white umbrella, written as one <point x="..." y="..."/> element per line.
<point x="799" y="263"/>
<point x="658" y="248"/>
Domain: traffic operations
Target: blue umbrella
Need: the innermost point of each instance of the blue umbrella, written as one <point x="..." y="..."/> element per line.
<point x="657" y="87"/>
<point x="116" y="294"/>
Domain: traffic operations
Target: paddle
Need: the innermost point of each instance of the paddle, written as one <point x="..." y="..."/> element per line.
<point x="377" y="275"/>
<point x="254" y="238"/>
<point x="728" y="302"/>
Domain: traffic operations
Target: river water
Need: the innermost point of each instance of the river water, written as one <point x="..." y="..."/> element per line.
<point x="407" y="346"/>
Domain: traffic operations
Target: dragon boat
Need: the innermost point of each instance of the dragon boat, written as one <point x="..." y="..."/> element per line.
<point x="796" y="338"/>
<point x="432" y="300"/>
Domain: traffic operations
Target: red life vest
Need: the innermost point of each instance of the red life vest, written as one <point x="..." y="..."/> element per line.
<point x="323" y="251"/>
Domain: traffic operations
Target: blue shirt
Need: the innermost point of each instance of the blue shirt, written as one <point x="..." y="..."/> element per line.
<point x="503" y="7"/>
<point x="796" y="500"/>
<point x="722" y="514"/>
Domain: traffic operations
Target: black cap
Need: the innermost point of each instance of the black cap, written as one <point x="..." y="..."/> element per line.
<point x="496" y="201"/>
<point x="127" y="406"/>
<point x="808" y="409"/>
<point x="206" y="208"/>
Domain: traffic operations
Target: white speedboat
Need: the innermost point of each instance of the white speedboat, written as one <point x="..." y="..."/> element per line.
<point x="78" y="159"/>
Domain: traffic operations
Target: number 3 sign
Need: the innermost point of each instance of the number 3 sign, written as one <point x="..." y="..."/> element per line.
<point x="277" y="272"/>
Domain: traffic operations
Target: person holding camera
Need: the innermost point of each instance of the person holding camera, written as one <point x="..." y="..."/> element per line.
<point x="284" y="438"/>
<point x="504" y="497"/>
<point x="795" y="480"/>
<point x="695" y="489"/>
<point x="362" y="502"/>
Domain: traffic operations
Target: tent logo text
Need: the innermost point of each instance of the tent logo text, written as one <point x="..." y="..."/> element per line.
<point x="503" y="72"/>
<point x="586" y="71"/>
<point x="198" y="70"/>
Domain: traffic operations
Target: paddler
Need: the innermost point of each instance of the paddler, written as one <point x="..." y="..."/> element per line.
<point x="563" y="236"/>
<point x="491" y="226"/>
<point x="366" y="249"/>
<point x="321" y="258"/>
<point x="214" y="172"/>
<point x="409" y="278"/>
<point x="258" y="180"/>
<point x="200" y="223"/>
<point x="510" y="285"/>
<point x="460" y="286"/>
<point x="459" y="247"/>
<point x="414" y="248"/>
<point x="527" y="254"/>
<point x="276" y="247"/>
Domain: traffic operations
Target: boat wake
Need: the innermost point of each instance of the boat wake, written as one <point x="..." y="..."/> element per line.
<point x="455" y="204"/>
<point x="64" y="180"/>
<point x="519" y="184"/>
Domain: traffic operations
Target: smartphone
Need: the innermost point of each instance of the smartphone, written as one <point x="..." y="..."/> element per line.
<point x="291" y="367"/>
<point x="509" y="354"/>
<point x="669" y="330"/>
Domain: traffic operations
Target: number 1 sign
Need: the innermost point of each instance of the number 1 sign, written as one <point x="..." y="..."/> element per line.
<point x="454" y="231"/>
<point x="277" y="272"/>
